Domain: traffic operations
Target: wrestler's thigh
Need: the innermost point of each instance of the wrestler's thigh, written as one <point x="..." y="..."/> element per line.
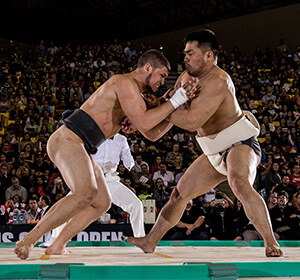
<point x="103" y="195"/>
<point x="199" y="178"/>
<point x="242" y="162"/>
<point x="75" y="165"/>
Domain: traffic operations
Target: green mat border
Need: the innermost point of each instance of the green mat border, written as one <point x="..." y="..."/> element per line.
<point x="131" y="272"/>
<point x="189" y="271"/>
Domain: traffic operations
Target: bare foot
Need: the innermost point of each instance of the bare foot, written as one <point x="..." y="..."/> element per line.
<point x="56" y="250"/>
<point x="274" y="251"/>
<point x="22" y="249"/>
<point x="140" y="242"/>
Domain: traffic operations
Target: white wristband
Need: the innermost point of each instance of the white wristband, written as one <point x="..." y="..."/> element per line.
<point x="179" y="98"/>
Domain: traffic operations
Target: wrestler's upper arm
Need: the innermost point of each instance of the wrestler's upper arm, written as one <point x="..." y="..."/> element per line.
<point x="131" y="102"/>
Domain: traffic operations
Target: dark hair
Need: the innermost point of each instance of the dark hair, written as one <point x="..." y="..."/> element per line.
<point x="284" y="193"/>
<point x="47" y="199"/>
<point x="155" y="58"/>
<point x="207" y="40"/>
<point x="33" y="198"/>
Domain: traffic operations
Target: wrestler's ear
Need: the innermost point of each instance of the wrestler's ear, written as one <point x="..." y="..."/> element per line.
<point x="148" y="68"/>
<point x="209" y="55"/>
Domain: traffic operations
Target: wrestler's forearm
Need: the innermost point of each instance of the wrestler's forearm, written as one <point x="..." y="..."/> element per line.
<point x="182" y="119"/>
<point x="158" y="131"/>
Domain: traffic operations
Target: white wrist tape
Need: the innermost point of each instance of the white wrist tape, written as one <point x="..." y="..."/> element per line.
<point x="179" y="98"/>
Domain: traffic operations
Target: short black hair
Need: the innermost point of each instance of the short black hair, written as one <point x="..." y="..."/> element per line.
<point x="47" y="199"/>
<point x="207" y="40"/>
<point x="155" y="58"/>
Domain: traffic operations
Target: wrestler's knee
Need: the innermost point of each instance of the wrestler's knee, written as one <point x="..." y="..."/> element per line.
<point x="176" y="197"/>
<point x="240" y="187"/>
<point x="102" y="202"/>
<point x="87" y="197"/>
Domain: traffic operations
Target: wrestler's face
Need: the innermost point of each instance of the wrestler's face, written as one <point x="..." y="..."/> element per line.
<point x="195" y="60"/>
<point x="156" y="78"/>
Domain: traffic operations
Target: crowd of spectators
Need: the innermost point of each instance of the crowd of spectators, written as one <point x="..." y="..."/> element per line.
<point x="38" y="85"/>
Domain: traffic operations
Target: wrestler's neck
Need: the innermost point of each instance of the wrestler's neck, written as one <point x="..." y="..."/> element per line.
<point x="207" y="70"/>
<point x="140" y="78"/>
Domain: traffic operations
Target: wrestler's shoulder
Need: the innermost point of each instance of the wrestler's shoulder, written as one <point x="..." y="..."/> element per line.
<point x="218" y="77"/>
<point x="121" y="80"/>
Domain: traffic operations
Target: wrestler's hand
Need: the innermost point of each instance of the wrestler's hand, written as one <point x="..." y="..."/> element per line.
<point x="181" y="94"/>
<point x="152" y="101"/>
<point x="127" y="127"/>
<point x="192" y="88"/>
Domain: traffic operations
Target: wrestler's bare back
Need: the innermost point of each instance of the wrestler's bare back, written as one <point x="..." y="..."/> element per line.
<point x="216" y="102"/>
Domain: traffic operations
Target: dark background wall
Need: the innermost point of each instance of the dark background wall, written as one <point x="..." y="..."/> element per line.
<point x="261" y="29"/>
<point x="249" y="31"/>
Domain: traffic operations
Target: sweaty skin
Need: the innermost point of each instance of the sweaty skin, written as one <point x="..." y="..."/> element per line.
<point x="213" y="110"/>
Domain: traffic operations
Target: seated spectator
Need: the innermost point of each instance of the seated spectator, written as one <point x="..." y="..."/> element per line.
<point x="44" y="204"/>
<point x="46" y="115"/>
<point x="164" y="174"/>
<point x="29" y="154"/>
<point x="26" y="140"/>
<point x="295" y="176"/>
<point x="31" y="128"/>
<point x="190" y="154"/>
<point x="16" y="189"/>
<point x="240" y="219"/>
<point x="40" y="167"/>
<point x="278" y="155"/>
<point x="23" y="174"/>
<point x="279" y="217"/>
<point x="123" y="173"/>
<point x="143" y="178"/>
<point x="46" y="106"/>
<point x="8" y="151"/>
<point x="180" y="174"/>
<point x="287" y="187"/>
<point x="272" y="200"/>
<point x="266" y="126"/>
<point x="161" y="195"/>
<point x="271" y="111"/>
<point x="40" y="186"/>
<point x="33" y="210"/>
<point x="128" y="184"/>
<point x="170" y="157"/>
<point x="138" y="162"/>
<point x="219" y="213"/>
<point x="58" y="187"/>
<point x="164" y="144"/>
<point x="4" y="176"/>
<point x="150" y="155"/>
<point x="4" y="103"/>
<point x="46" y="128"/>
<point x="273" y="177"/>
<point x="268" y="96"/>
<point x="177" y="165"/>
<point x="155" y="166"/>
<point x="268" y="144"/>
<point x="191" y="225"/>
<point x="144" y="193"/>
<point x="293" y="218"/>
